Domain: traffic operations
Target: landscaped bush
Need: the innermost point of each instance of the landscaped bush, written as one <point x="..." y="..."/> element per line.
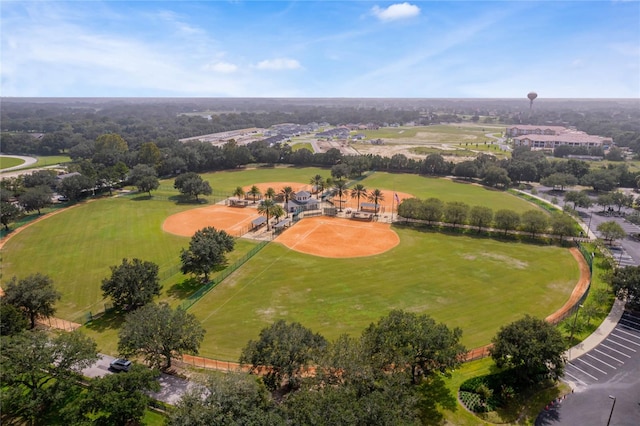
<point x="501" y="386"/>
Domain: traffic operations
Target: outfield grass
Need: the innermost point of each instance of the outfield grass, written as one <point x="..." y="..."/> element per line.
<point x="473" y="283"/>
<point x="447" y="190"/>
<point x="6" y="162"/>
<point x="424" y="273"/>
<point x="227" y="181"/>
<point x="77" y="247"/>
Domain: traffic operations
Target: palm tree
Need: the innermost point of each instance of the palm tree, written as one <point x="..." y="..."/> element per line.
<point x="270" y="208"/>
<point x="341" y="189"/>
<point x="375" y="196"/>
<point x="358" y="191"/>
<point x="287" y="193"/>
<point x="270" y="193"/>
<point x="238" y="192"/>
<point x="254" y="192"/>
<point x="318" y="182"/>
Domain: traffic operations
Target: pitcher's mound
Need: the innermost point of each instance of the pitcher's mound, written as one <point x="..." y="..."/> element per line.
<point x="339" y="238"/>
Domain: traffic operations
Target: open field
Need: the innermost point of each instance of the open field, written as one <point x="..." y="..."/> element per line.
<point x="6" y="162"/>
<point x="438" y="134"/>
<point x="446" y="190"/>
<point x="469" y="282"/>
<point x="474" y="283"/>
<point x="77" y="247"/>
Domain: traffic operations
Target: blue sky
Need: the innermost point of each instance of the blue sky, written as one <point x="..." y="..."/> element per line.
<point x="426" y="49"/>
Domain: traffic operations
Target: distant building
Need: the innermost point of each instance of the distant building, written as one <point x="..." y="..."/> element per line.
<point x="550" y="137"/>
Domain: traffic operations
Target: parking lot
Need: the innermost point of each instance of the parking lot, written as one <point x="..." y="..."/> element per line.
<point x="622" y="345"/>
<point x="605" y="380"/>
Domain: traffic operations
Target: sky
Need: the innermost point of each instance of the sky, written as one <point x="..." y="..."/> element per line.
<point x="374" y="49"/>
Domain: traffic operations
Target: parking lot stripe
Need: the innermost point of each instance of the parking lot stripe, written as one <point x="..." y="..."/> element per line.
<point x="599" y="360"/>
<point x="626" y="340"/>
<point x="582" y="371"/>
<point x="631" y="321"/>
<point x="620" y="344"/>
<point x="615" y="350"/>
<point x="592" y="366"/>
<point x="574" y="377"/>
<point x="606" y="354"/>
<point x="630" y="334"/>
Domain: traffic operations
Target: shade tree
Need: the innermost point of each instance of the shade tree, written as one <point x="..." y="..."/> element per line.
<point x="158" y="334"/>
<point x="534" y="222"/>
<point x="480" y="216"/>
<point x="611" y="231"/>
<point x="192" y="185"/>
<point x="39" y="371"/>
<point x="34" y="294"/>
<point x="132" y="284"/>
<point x="284" y="350"/>
<point x="456" y="212"/>
<point x="532" y="348"/>
<point x="207" y="252"/>
<point x="506" y="220"/>
<point x="626" y="285"/>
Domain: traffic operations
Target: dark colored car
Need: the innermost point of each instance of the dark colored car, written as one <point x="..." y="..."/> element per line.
<point x="120" y="364"/>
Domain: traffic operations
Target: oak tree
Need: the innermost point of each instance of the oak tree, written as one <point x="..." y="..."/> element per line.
<point x="159" y="333"/>
<point x="132" y="284"/>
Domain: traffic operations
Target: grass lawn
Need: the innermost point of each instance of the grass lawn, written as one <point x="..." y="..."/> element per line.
<point x="227" y="181"/>
<point x="439" y="134"/>
<point x="447" y="190"/>
<point x="77" y="247"/>
<point x="6" y="162"/>
<point x="302" y="145"/>
<point x="467" y="282"/>
<point x="463" y="281"/>
<point x="51" y="160"/>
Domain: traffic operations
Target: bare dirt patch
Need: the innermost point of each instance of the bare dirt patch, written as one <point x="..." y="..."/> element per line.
<point x="386" y="204"/>
<point x="234" y="220"/>
<point x="339" y="238"/>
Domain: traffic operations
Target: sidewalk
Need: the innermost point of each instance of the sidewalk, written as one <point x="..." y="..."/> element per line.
<point x="600" y="334"/>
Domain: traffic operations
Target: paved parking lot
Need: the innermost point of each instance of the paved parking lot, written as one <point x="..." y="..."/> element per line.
<point x="610" y="370"/>
<point x="604" y="361"/>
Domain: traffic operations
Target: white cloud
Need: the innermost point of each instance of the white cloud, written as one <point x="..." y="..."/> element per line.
<point x="396" y="11"/>
<point x="221" y="67"/>
<point x="279" y="64"/>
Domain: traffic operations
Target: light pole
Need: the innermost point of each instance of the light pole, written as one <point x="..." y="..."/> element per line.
<point x="612" y="406"/>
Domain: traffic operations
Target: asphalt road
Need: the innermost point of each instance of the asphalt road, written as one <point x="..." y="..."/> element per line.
<point x="611" y="370"/>
<point x="171" y="387"/>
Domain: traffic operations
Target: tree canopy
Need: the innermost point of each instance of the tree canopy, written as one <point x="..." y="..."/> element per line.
<point x="159" y="333"/>
<point x="132" y="284"/>
<point x="626" y="285"/>
<point x="192" y="185"/>
<point x="35" y="295"/>
<point x="611" y="231"/>
<point x="285" y="349"/>
<point x="532" y="347"/>
<point x="207" y="252"/>
<point x="38" y="371"/>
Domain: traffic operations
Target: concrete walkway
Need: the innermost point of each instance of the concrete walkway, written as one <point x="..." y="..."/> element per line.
<point x="600" y="334"/>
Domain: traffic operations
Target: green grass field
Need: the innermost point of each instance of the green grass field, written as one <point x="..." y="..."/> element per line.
<point x="51" y="160"/>
<point x="446" y="190"/>
<point x="437" y="134"/>
<point x="6" y="162"/>
<point x="477" y="284"/>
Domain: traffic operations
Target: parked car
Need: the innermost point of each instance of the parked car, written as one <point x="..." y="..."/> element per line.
<point x="120" y="364"/>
